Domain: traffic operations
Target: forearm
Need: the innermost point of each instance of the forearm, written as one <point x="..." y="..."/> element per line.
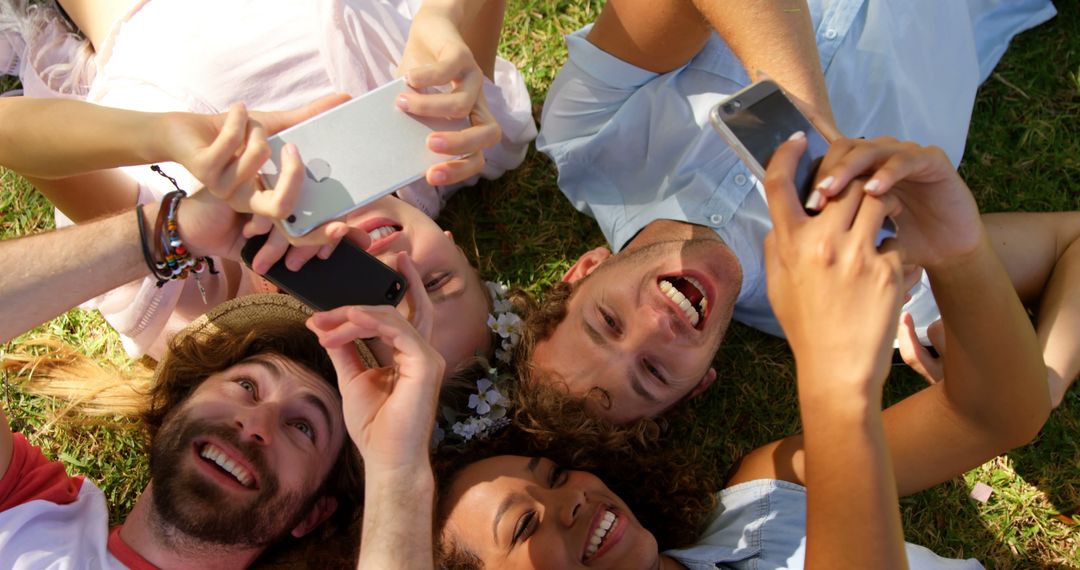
<point x="49" y="273"/>
<point x="398" y="520"/>
<point x="460" y="12"/>
<point x="777" y="37"/>
<point x="995" y="375"/>
<point x="56" y="138"/>
<point x="853" y="517"/>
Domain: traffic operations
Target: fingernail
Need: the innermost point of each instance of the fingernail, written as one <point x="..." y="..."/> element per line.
<point x="797" y="135"/>
<point x="289" y="149"/>
<point x="439" y="177"/>
<point x="826" y="183"/>
<point x="813" y="202"/>
<point x="437" y="144"/>
<point x="402" y="103"/>
<point x="872" y="185"/>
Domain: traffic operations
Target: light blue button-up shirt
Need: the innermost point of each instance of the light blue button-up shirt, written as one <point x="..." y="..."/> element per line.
<point x="633" y="146"/>
<point x="761" y="525"/>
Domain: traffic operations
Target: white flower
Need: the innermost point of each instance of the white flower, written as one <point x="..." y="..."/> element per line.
<point x="501" y="306"/>
<point x="486" y="396"/>
<point x="497" y="290"/>
<point x="507" y="325"/>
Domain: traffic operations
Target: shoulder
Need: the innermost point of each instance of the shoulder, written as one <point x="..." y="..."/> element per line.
<point x="31" y="476"/>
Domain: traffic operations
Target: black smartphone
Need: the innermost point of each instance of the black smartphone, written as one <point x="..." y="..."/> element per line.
<point x="760" y="118"/>
<point x="350" y="276"/>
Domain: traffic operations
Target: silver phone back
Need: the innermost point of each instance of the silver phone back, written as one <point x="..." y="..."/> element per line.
<point x="356" y="153"/>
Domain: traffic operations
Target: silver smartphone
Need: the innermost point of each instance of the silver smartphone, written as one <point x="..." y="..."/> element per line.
<point x="355" y="154"/>
<point x="760" y="118"/>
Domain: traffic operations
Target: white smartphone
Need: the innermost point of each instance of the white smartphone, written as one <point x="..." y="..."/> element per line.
<point x="355" y="154"/>
<point x="760" y="118"/>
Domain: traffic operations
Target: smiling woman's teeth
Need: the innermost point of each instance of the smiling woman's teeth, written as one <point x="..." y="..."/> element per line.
<point x="601" y="531"/>
<point x="381" y="232"/>
<point x="675" y="295"/>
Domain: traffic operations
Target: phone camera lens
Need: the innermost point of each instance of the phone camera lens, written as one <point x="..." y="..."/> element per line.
<point x="291" y="219"/>
<point x="732" y="106"/>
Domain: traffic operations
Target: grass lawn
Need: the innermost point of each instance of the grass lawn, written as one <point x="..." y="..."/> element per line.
<point x="1023" y="154"/>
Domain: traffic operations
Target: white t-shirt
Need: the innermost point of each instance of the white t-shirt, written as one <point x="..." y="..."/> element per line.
<point x="49" y="519"/>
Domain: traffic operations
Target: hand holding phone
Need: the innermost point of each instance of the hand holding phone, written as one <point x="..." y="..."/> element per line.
<point x="350" y="276"/>
<point x="356" y="153"/>
<point x="757" y="120"/>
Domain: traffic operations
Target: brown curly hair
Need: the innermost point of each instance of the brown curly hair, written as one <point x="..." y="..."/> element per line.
<point x="670" y="488"/>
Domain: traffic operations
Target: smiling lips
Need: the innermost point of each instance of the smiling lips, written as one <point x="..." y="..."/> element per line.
<point x="688" y="294"/>
<point x="603" y="523"/>
<point x="217" y="456"/>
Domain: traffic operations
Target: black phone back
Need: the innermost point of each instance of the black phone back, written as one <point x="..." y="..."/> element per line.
<point x="350" y="276"/>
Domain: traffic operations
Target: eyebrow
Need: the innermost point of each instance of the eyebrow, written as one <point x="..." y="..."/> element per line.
<point x="309" y="397"/>
<point x="632" y="378"/>
<point x="510" y="500"/>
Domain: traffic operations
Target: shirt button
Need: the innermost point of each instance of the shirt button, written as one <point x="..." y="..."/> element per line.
<point x="830" y="34"/>
<point x="740" y="179"/>
<point x="716" y="218"/>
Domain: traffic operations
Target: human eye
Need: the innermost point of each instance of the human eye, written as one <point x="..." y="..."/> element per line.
<point x="437" y="281"/>
<point x="248" y="385"/>
<point x="526" y="525"/>
<point x="557" y="476"/>
<point x="305" y="428"/>
<point x="654" y="371"/>
<point x="609" y="320"/>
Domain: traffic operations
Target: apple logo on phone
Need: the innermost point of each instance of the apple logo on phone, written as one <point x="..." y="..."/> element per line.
<point x="318" y="169"/>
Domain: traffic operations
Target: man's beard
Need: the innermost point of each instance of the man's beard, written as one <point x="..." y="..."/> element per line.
<point x="189" y="505"/>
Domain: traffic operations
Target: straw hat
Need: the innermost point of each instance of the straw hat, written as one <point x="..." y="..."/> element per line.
<point x="248" y="312"/>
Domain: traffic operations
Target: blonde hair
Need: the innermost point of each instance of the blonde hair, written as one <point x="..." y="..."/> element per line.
<point x="46" y="366"/>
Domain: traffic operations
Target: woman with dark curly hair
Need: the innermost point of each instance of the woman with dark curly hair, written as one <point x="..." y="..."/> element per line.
<point x="828" y="497"/>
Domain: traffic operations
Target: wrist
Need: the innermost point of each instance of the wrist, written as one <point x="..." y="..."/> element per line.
<point x="960" y="261"/>
<point x="414" y="480"/>
<point x="451" y="10"/>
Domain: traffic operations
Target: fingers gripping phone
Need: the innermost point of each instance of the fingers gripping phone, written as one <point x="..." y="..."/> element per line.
<point x="355" y="154"/>
<point x="757" y="120"/>
<point x="350" y="276"/>
<point x="760" y="118"/>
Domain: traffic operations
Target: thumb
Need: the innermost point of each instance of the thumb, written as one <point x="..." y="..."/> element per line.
<point x="275" y="121"/>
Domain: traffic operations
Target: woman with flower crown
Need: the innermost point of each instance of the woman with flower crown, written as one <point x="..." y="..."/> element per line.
<point x="152" y="56"/>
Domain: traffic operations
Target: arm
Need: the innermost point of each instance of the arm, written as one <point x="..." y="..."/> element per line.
<point x="453" y="42"/>
<point x="774" y="36"/>
<point x="996" y="395"/>
<point x="838" y="299"/>
<point x="70" y="266"/>
<point x="389" y="415"/>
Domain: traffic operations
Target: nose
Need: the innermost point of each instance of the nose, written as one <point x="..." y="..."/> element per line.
<point x="257" y="423"/>
<point x="569" y="503"/>
<point x="657" y="326"/>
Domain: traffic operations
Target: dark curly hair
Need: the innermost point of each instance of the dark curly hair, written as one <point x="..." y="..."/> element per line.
<point x="670" y="488"/>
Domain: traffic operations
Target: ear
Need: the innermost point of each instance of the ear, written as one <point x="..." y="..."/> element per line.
<point x="324" y="507"/>
<point x="449" y="234"/>
<point x="704" y="384"/>
<point x="586" y="264"/>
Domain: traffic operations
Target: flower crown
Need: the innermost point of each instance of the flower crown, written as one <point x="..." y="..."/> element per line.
<point x="487" y="405"/>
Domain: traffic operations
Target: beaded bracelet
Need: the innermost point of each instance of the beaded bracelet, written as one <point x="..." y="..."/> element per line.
<point x="167" y="257"/>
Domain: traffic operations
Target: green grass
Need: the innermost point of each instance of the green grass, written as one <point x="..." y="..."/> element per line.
<point x="1023" y="155"/>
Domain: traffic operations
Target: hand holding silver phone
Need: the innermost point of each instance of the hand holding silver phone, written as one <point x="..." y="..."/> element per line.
<point x="356" y="153"/>
<point x="757" y="120"/>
